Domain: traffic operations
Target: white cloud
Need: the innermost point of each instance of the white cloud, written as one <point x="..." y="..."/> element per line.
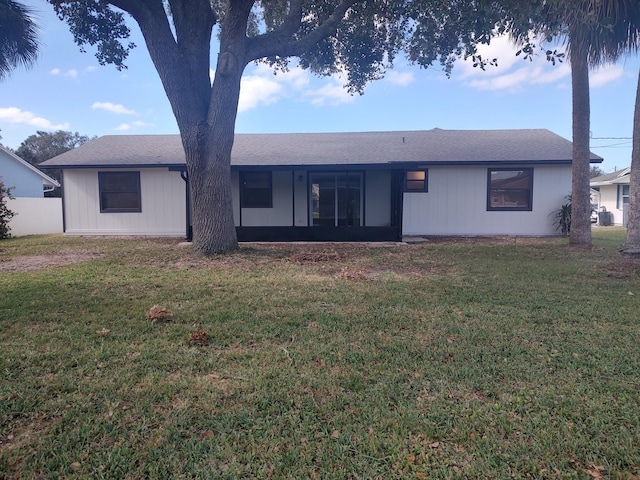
<point x="138" y="123"/>
<point x="257" y="90"/>
<point x="73" y="73"/>
<point x="401" y="79"/>
<point x="332" y="93"/>
<point x="17" y="116"/>
<point x="113" y="108"/>
<point x="261" y="87"/>
<point x="605" y="74"/>
<point x="513" y="73"/>
<point x="133" y="125"/>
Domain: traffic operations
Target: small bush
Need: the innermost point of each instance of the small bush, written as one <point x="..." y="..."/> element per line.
<point x="563" y="217"/>
<point x="5" y="213"/>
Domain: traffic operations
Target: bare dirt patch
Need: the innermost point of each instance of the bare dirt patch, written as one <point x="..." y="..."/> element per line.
<point x="623" y="268"/>
<point x="30" y="263"/>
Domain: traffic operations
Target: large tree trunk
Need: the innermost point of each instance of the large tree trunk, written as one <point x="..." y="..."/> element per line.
<point x="632" y="245"/>
<point x="208" y="157"/>
<point x="580" y="189"/>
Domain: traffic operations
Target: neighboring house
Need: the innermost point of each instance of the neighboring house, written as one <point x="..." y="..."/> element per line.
<point x="24" y="179"/>
<point x="613" y="196"/>
<point x="328" y="186"/>
<point x="34" y="213"/>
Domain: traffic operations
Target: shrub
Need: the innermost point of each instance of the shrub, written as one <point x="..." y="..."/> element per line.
<point x="563" y="217"/>
<point x="5" y="213"/>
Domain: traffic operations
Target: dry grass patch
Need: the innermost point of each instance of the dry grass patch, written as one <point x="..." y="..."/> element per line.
<point x="30" y="263"/>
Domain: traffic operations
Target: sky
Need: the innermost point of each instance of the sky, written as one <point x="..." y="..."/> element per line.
<point x="68" y="89"/>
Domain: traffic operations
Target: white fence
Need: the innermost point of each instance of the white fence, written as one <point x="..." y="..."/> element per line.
<point x="35" y="216"/>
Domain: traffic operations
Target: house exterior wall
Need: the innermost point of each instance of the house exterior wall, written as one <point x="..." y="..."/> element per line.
<point x="456" y="204"/>
<point x="27" y="183"/>
<point x="281" y="213"/>
<point x="609" y="200"/>
<point x="163" y="210"/>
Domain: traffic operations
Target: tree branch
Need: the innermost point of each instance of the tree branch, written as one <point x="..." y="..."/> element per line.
<point x="283" y="43"/>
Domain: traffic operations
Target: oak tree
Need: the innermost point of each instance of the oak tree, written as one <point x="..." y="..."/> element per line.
<point x="359" y="38"/>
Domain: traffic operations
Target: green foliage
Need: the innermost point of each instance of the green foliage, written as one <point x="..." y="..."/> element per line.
<point x="563" y="217"/>
<point x="18" y="37"/>
<point x="97" y="24"/>
<point x="45" y="145"/>
<point x="5" y="213"/>
<point x="363" y="43"/>
<point x="596" y="171"/>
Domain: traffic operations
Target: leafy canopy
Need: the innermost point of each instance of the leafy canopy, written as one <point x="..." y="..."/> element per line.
<point x="358" y="38"/>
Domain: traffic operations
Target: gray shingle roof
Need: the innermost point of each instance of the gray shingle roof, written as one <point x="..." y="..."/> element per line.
<point x="308" y="149"/>
<point x="613" y="178"/>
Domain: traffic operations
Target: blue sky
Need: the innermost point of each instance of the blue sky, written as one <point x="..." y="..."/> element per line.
<point x="69" y="90"/>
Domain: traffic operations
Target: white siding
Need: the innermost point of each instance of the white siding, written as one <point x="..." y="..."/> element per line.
<point x="35" y="216"/>
<point x="163" y="205"/>
<point x="609" y="200"/>
<point x="281" y="214"/>
<point x="456" y="204"/>
<point x="377" y="198"/>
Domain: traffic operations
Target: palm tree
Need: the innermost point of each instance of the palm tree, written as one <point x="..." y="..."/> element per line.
<point x="595" y="32"/>
<point x="631" y="246"/>
<point x="624" y="24"/>
<point x="18" y="41"/>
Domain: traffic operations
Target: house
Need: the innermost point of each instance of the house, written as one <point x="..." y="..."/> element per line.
<point x="34" y="213"/>
<point x="24" y="179"/>
<point x="613" y="196"/>
<point x="328" y="186"/>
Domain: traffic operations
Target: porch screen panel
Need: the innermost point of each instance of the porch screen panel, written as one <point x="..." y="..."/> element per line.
<point x="336" y="199"/>
<point x="348" y="193"/>
<point x="323" y="199"/>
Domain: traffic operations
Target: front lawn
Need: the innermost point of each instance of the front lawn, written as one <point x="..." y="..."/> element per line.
<point x="471" y="358"/>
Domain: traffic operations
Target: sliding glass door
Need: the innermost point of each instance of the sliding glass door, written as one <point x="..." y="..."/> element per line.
<point x="336" y="199"/>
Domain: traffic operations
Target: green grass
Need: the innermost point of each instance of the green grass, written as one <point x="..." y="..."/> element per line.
<point x="510" y="358"/>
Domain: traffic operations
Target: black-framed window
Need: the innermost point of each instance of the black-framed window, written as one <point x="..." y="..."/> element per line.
<point x="119" y="192"/>
<point x="510" y="189"/>
<point x="256" y="190"/>
<point x="416" y="181"/>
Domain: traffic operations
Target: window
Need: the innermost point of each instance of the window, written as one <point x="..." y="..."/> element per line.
<point x="416" y="181"/>
<point x="623" y="196"/>
<point x="255" y="190"/>
<point x="510" y="190"/>
<point x="119" y="192"/>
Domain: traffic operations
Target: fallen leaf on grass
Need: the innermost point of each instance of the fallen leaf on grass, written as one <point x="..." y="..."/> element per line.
<point x="104" y="332"/>
<point x="75" y="465"/>
<point x="198" y="337"/>
<point x="159" y="314"/>
<point x="595" y="471"/>
<point x="451" y="339"/>
<point x="335" y="434"/>
<point x="207" y="434"/>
